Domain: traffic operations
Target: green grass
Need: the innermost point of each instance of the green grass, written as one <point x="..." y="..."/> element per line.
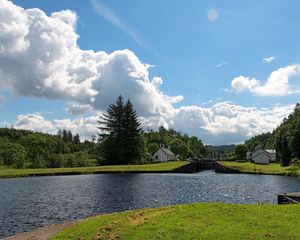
<point x="192" y="221"/>
<point x="273" y="168"/>
<point x="158" y="167"/>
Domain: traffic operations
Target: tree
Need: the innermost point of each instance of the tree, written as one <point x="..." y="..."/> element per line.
<point x="38" y="147"/>
<point x="76" y="139"/>
<point x="120" y="133"/>
<point x="69" y="136"/>
<point x="241" y="151"/>
<point x="179" y="147"/>
<point x="13" y="154"/>
<point x="65" y="135"/>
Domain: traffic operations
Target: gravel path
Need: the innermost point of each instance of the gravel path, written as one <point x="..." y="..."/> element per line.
<point x="42" y="233"/>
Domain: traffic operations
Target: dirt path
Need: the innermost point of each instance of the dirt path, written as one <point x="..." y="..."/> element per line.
<point x="42" y="233"/>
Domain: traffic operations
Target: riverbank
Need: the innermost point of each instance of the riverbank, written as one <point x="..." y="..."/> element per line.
<point x="145" y="168"/>
<point x="192" y="221"/>
<point x="248" y="167"/>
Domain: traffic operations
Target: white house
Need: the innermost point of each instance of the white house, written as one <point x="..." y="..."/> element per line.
<point x="261" y="156"/>
<point x="163" y="155"/>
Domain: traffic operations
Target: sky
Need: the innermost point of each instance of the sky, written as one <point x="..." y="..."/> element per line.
<point x="223" y="71"/>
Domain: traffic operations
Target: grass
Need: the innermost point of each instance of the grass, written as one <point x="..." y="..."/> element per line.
<point x="273" y="168"/>
<point x="193" y="221"/>
<point x="158" y="167"/>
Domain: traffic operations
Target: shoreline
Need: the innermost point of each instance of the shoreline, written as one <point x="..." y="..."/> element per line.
<point x="206" y="216"/>
<point x="169" y="167"/>
<point x="42" y="233"/>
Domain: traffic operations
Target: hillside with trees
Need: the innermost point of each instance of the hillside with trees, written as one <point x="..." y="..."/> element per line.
<point x="285" y="138"/>
<point x="28" y="149"/>
<point x="122" y="141"/>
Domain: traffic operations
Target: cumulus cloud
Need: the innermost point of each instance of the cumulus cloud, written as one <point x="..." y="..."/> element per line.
<point x="277" y="84"/>
<point x="226" y="122"/>
<point x="268" y="59"/>
<point x="212" y="15"/>
<point x="223" y="123"/>
<point x="85" y="127"/>
<point x="39" y="57"/>
<point x="77" y="109"/>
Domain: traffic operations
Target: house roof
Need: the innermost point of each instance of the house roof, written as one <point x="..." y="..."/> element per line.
<point x="259" y="151"/>
<point x="270" y="151"/>
<point x="167" y="151"/>
<point x="264" y="153"/>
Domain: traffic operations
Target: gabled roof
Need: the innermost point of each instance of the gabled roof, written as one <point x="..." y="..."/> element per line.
<point x="270" y="151"/>
<point x="263" y="152"/>
<point x="259" y="151"/>
<point x="166" y="151"/>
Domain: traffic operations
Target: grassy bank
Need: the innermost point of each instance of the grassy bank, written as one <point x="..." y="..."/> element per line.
<point x="193" y="221"/>
<point x="273" y="168"/>
<point x="159" y="167"/>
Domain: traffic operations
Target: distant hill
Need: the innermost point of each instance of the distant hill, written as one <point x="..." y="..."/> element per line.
<point x="222" y="148"/>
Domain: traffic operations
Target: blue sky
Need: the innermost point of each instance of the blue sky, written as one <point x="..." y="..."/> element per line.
<point x="198" y="49"/>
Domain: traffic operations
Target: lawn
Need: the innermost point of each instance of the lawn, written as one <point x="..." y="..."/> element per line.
<point x="273" y="168"/>
<point x="192" y="221"/>
<point x="158" y="167"/>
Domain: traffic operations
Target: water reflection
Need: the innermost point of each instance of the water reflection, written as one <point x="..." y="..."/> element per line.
<point x="26" y="203"/>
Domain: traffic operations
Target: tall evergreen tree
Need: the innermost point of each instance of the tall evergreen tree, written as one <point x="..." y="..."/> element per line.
<point x="132" y="132"/>
<point x="120" y="133"/>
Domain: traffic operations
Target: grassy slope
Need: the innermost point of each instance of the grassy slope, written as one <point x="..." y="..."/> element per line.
<point x="159" y="167"/>
<point x="274" y="168"/>
<point x="193" y="221"/>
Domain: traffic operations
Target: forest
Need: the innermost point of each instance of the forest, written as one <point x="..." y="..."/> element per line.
<point x="27" y="149"/>
<point x="285" y="138"/>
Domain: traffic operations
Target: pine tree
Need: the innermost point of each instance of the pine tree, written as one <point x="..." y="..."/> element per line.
<point x="65" y="135"/>
<point x="76" y="139"/>
<point x="120" y="133"/>
<point x="131" y="134"/>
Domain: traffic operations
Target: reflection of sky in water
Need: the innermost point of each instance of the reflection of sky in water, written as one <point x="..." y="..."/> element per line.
<point x="26" y="203"/>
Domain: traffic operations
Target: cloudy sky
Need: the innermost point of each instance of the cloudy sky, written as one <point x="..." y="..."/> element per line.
<point x="221" y="70"/>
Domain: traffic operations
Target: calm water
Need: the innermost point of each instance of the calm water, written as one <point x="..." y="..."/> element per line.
<point x="27" y="203"/>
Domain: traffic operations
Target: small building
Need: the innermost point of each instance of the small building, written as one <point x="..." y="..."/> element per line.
<point x="261" y="156"/>
<point x="163" y="155"/>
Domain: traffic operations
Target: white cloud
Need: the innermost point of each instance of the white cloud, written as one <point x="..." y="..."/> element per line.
<point x="221" y="64"/>
<point x="268" y="59"/>
<point x="277" y="84"/>
<point x="39" y="57"/>
<point x="77" y="109"/>
<point x="223" y="123"/>
<point x="85" y="127"/>
<point x="212" y="15"/>
<point x="34" y="122"/>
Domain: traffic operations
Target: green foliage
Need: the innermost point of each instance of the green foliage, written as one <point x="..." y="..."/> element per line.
<point x="121" y="134"/>
<point x="178" y="147"/>
<point x="180" y="144"/>
<point x="12" y="154"/>
<point x="285" y="138"/>
<point x="241" y="151"/>
<point x="22" y="148"/>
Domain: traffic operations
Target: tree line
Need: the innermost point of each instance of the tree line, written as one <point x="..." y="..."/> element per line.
<point x="121" y="141"/>
<point x="28" y="149"/>
<point x="285" y="139"/>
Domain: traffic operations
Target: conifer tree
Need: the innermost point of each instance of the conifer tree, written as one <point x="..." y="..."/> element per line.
<point x="120" y="133"/>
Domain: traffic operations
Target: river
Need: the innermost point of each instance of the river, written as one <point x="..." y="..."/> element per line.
<point x="28" y="203"/>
